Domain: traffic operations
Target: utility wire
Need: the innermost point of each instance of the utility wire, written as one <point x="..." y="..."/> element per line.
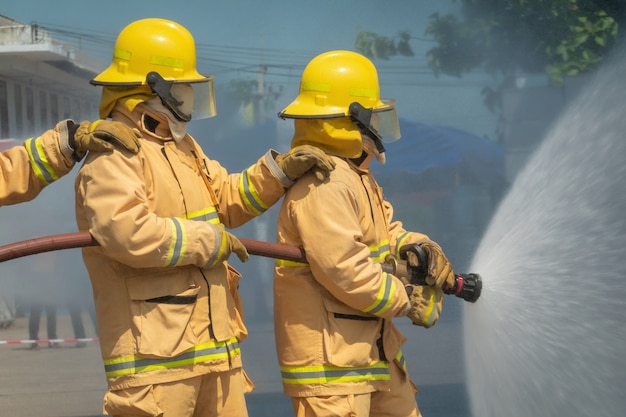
<point x="236" y="61"/>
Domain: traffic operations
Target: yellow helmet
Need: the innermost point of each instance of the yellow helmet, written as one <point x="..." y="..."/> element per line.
<point x="344" y="84"/>
<point x="159" y="53"/>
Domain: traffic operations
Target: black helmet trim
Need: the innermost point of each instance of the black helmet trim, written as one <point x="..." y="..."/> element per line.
<point x="163" y="88"/>
<point x="362" y="117"/>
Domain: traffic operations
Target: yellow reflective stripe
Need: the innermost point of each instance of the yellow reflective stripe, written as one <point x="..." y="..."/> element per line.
<point x="385" y="294"/>
<point x="93" y="125"/>
<point x="205" y="352"/>
<point x="249" y="194"/>
<point x="362" y="92"/>
<point x="320" y="374"/>
<point x="432" y="311"/>
<point x="167" y="61"/>
<point x="312" y="86"/>
<point x="122" y="54"/>
<point x="218" y="255"/>
<point x="401" y="242"/>
<point x="380" y="251"/>
<point x="401" y="360"/>
<point x="283" y="262"/>
<point x="178" y="242"/>
<point x="39" y="161"/>
<point x="208" y="214"/>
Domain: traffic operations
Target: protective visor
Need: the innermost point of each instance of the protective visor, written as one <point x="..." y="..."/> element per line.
<point x="381" y="123"/>
<point x="203" y="100"/>
<point x="186" y="99"/>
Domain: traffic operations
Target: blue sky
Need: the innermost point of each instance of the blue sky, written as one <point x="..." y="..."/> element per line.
<point x="235" y="37"/>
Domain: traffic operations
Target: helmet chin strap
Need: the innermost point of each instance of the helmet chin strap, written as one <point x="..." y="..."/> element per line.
<point x="163" y="88"/>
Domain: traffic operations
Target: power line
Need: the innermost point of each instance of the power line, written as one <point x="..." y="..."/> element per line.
<point x="235" y="61"/>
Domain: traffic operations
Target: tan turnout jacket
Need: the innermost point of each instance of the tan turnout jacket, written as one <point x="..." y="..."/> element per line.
<point x="27" y="169"/>
<point x="333" y="316"/>
<point x="166" y="309"/>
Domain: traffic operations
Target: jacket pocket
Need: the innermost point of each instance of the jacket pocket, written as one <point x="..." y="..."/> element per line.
<point x="350" y="339"/>
<point x="136" y="401"/>
<point x="161" y="309"/>
<point x="239" y="329"/>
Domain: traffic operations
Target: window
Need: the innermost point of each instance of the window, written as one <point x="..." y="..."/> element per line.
<point x="19" y="115"/>
<point x="4" y="111"/>
<point x="30" y="112"/>
<point x="43" y="110"/>
<point x="67" y="110"/>
<point x="54" y="108"/>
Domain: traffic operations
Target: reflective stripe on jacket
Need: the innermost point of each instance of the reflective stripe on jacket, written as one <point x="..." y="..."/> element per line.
<point x="27" y="169"/>
<point x="333" y="316"/>
<point x="167" y="306"/>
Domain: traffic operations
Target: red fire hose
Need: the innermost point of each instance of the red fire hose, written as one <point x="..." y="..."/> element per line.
<point x="467" y="286"/>
<point x="82" y="239"/>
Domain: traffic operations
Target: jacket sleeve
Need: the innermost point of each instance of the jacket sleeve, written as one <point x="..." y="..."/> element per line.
<point x="111" y="189"/>
<point x="399" y="237"/>
<point x="112" y="204"/>
<point x="327" y="219"/>
<point x="242" y="196"/>
<point x="28" y="169"/>
<point x="426" y="301"/>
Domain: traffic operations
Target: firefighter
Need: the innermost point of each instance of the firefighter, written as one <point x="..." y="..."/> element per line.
<point x="169" y="313"/>
<point x="27" y="169"/>
<point x="338" y="349"/>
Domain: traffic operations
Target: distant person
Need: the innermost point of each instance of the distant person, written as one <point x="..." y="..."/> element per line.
<point x="76" y="309"/>
<point x="77" y="291"/>
<point x="168" y="306"/>
<point x="28" y="168"/>
<point x="44" y="295"/>
<point x="338" y="348"/>
<point x="7" y="311"/>
<point x="34" y="318"/>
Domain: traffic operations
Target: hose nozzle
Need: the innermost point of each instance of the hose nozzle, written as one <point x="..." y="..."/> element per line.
<point x="466" y="286"/>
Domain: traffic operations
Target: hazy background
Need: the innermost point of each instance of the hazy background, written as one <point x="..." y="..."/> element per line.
<point x="235" y="39"/>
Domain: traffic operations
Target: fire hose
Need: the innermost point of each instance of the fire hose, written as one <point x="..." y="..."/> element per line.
<point x="467" y="286"/>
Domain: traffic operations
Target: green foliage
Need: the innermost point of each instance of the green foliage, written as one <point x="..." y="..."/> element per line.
<point x="580" y="51"/>
<point x="560" y="37"/>
<point x="456" y="52"/>
<point x="375" y="46"/>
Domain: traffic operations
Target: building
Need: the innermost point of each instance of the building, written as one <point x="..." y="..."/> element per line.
<point x="42" y="81"/>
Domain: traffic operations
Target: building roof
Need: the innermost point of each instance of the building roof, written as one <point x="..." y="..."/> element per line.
<point x="29" y="54"/>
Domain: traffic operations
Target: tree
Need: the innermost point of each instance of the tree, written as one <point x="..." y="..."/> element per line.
<point x="503" y="37"/>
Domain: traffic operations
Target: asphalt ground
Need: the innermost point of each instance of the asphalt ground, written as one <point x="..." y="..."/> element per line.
<point x="69" y="381"/>
<point x="50" y="382"/>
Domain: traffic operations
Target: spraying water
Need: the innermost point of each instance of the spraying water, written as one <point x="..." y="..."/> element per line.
<point x="547" y="337"/>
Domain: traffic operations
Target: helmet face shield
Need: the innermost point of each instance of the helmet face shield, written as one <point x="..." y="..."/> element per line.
<point x="185" y="99"/>
<point x="380" y="124"/>
<point x="203" y="99"/>
<point x="385" y="122"/>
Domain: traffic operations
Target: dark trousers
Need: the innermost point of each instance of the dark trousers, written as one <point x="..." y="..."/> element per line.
<point x="35" y="318"/>
<point x="77" y="322"/>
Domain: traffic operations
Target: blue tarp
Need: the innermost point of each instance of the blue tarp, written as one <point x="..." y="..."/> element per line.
<point x="446" y="153"/>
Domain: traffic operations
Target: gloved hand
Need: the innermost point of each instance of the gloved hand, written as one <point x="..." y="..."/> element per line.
<point x="299" y="160"/>
<point x="426" y="303"/>
<point x="440" y="272"/>
<point x="229" y="244"/>
<point x="100" y="136"/>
